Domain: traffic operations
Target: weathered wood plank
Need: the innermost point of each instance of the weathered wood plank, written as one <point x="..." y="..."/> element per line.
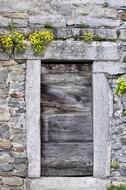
<point x="58" y="99"/>
<point x="67" y="79"/>
<point x="66" y="106"/>
<point x="66" y="68"/>
<point x="82" y="171"/>
<point x="67" y="128"/>
<point x="67" y="154"/>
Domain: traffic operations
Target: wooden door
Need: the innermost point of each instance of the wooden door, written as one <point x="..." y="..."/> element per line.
<point x="67" y="134"/>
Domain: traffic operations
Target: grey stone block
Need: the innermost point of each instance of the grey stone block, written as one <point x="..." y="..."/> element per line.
<point x="76" y="50"/>
<point x="71" y="183"/>
<point x="96" y="22"/>
<point x="116" y="3"/>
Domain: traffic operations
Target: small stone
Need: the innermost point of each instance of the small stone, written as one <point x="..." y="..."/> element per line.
<point x="4" y="132"/>
<point x="123" y="99"/>
<point x="6" y="167"/>
<point x="19" y="15"/>
<point x="20" y="170"/>
<point x="70" y="21"/>
<point x="123" y="16"/>
<point x="20" y="23"/>
<point x="123" y="171"/>
<point x="14" y="102"/>
<point x="122" y="159"/>
<point x="5" y="144"/>
<point x="3" y="74"/>
<point x="19" y="149"/>
<point x="4" y="21"/>
<point x="17" y="95"/>
<point x="3" y="92"/>
<point x="20" y="161"/>
<point x="123" y="140"/>
<point x="8" y="63"/>
<point x="4" y="113"/>
<point x="116" y="146"/>
<point x="117" y="3"/>
<point x="12" y="181"/>
<point x="5" y="188"/>
<point x="5" y="157"/>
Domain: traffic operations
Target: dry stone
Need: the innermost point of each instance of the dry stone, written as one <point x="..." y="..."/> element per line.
<point x="12" y="181"/>
<point x="4" y="113"/>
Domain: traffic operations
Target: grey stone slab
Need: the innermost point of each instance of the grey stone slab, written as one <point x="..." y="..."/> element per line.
<point x="11" y="6"/>
<point x="63" y="183"/>
<point x="33" y="116"/>
<point x="76" y="50"/>
<point x="117" y="3"/>
<point x="4" y="21"/>
<point x="102" y="111"/>
<point x="96" y="22"/>
<point x="55" y="20"/>
<point x="64" y="33"/>
<point x="112" y="68"/>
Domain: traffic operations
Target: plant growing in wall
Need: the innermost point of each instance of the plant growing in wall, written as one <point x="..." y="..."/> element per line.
<point x="39" y="40"/>
<point x="87" y="37"/>
<point x="120" y="86"/>
<point x="120" y="187"/>
<point x="115" y="165"/>
<point x="13" y="42"/>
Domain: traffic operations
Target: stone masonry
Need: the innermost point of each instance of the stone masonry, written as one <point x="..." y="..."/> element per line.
<point x="68" y="19"/>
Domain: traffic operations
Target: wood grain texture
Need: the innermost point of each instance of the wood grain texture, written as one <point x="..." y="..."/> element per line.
<point x="67" y="127"/>
<point x="67" y="133"/>
<point x="66" y="68"/>
<point x="60" y="99"/>
<point x="67" y="156"/>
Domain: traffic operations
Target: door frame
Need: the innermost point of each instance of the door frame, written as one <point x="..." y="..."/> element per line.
<point x="102" y="112"/>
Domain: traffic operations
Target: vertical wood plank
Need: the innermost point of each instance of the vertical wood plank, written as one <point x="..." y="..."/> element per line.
<point x="33" y="73"/>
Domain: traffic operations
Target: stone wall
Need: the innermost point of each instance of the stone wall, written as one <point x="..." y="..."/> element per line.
<point x="69" y="19"/>
<point x="13" y="161"/>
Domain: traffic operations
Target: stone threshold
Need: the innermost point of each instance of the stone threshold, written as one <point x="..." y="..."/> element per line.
<point x="66" y="183"/>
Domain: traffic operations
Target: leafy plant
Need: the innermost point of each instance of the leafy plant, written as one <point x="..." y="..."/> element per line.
<point x="124" y="112"/>
<point x="13" y="41"/>
<point x="87" y="37"/>
<point x="39" y="40"/>
<point x="115" y="165"/>
<point x="120" y="187"/>
<point x="120" y="86"/>
<point x="48" y="25"/>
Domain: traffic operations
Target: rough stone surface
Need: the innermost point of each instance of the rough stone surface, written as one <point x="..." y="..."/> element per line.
<point x="13" y="161"/>
<point x="106" y="19"/>
<point x="12" y="181"/>
<point x="77" y="50"/>
<point x="4" y="113"/>
<point x="68" y="183"/>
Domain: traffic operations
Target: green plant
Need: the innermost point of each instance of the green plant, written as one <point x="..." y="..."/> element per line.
<point x="48" y="25"/>
<point x="39" y="40"/>
<point x="13" y="41"/>
<point x="11" y="27"/>
<point x="124" y="112"/>
<point x="115" y="165"/>
<point x="120" y="86"/>
<point x="87" y="37"/>
<point x="120" y="187"/>
<point x="118" y="33"/>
